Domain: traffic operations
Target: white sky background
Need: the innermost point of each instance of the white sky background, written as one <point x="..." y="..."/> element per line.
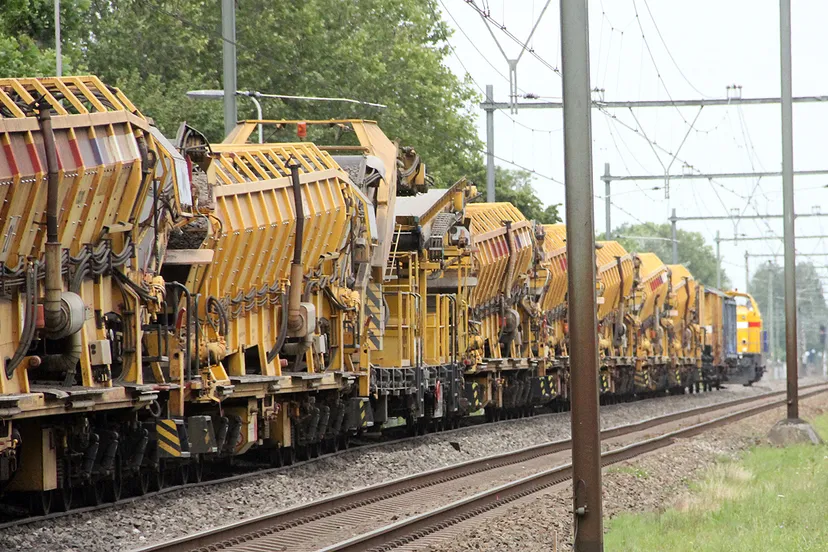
<point x="714" y="44"/>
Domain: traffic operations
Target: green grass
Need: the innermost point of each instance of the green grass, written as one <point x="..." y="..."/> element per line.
<point x="770" y="500"/>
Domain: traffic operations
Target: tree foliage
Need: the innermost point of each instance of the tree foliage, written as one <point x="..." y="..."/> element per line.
<point x="383" y="51"/>
<point x="811" y="307"/>
<point x="693" y="252"/>
<point x="27" y="37"/>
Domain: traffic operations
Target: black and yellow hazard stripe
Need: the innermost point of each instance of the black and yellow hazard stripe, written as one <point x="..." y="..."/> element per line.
<point x="474" y="394"/>
<point x="605" y="386"/>
<point x="169" y="443"/>
<point x="363" y="413"/>
<point x="642" y="378"/>
<point x="373" y="312"/>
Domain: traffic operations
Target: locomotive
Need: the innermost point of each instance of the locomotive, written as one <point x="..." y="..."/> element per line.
<point x="166" y="305"/>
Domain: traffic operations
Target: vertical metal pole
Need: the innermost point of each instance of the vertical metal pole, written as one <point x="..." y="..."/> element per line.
<point x="675" y="239"/>
<point x="606" y="178"/>
<point x="490" y="166"/>
<point x="747" y="272"/>
<point x="58" y="48"/>
<point x="770" y="310"/>
<point x="788" y="208"/>
<point x="580" y="246"/>
<point x="718" y="261"/>
<point x="228" y="35"/>
<point x="252" y="96"/>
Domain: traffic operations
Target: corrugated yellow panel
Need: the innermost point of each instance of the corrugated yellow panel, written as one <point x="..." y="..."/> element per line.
<point x="98" y="162"/>
<point x="684" y="288"/>
<point x="254" y="202"/>
<point x="554" y="247"/>
<point x="610" y="277"/>
<point x="501" y="259"/>
<point x="654" y="279"/>
<point x="492" y="257"/>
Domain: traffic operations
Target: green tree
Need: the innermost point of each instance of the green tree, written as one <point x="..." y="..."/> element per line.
<point x="384" y="51"/>
<point x="811" y="307"/>
<point x="693" y="252"/>
<point x="515" y="187"/>
<point x="27" y="37"/>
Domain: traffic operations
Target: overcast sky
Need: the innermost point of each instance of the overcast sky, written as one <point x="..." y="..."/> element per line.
<point x="713" y="44"/>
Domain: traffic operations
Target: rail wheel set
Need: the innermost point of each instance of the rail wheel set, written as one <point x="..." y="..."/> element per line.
<point x="167" y="305"/>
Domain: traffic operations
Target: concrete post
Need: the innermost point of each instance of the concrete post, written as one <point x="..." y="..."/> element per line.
<point x="788" y="208"/>
<point x="674" y="234"/>
<point x="490" y="165"/>
<point x="228" y="35"/>
<point x="607" y="202"/>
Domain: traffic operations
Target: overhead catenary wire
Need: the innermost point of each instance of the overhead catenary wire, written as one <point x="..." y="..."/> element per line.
<point x="669" y="53"/>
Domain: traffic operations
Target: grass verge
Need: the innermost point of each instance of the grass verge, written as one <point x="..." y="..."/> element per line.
<point x="772" y="499"/>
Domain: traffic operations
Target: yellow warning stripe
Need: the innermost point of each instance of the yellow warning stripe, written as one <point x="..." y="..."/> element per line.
<point x="166" y="434"/>
<point x="168" y="449"/>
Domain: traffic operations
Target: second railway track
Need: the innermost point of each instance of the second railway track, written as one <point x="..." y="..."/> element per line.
<point x="427" y="503"/>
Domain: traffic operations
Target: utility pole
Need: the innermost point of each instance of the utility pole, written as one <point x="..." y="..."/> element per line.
<point x="770" y="309"/>
<point x="228" y="36"/>
<point x="747" y="271"/>
<point x="58" y="52"/>
<point x="490" y="165"/>
<point x="788" y="208"/>
<point x="718" y="262"/>
<point x="607" y="202"/>
<point x="580" y="246"/>
<point x="675" y="241"/>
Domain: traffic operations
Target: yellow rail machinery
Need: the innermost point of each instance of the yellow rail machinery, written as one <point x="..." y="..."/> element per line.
<point x="430" y="262"/>
<point x="645" y="323"/>
<point x="283" y="233"/>
<point x="550" y="328"/>
<point x="751" y="340"/>
<point x="719" y="354"/>
<point x="88" y="189"/>
<point x="501" y="305"/>
<point x="615" y="284"/>
<point x="389" y="289"/>
<point x="684" y="333"/>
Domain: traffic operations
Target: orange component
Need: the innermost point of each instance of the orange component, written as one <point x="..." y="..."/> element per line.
<point x="302" y="129"/>
<point x="40" y="320"/>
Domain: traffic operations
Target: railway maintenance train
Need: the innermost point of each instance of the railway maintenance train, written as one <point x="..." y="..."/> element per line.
<point x="166" y="306"/>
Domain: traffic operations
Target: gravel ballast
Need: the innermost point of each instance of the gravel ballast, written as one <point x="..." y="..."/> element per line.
<point x="652" y="482"/>
<point x="174" y="514"/>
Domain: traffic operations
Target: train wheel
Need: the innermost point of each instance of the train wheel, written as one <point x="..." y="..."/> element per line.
<point x="276" y="458"/>
<point x="158" y="478"/>
<point x="40" y="502"/>
<point x="114" y="485"/>
<point x="94" y="493"/>
<point x="181" y="474"/>
<point x="62" y="498"/>
<point x="196" y="470"/>
<point x="142" y="482"/>
<point x="288" y="455"/>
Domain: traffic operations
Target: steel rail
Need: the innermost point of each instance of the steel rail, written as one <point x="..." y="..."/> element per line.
<point x="253" y="472"/>
<point x="415" y="527"/>
<point x="275" y="522"/>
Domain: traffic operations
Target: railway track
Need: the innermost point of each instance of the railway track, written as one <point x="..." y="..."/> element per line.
<point x="429" y="505"/>
<point x="9" y="519"/>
